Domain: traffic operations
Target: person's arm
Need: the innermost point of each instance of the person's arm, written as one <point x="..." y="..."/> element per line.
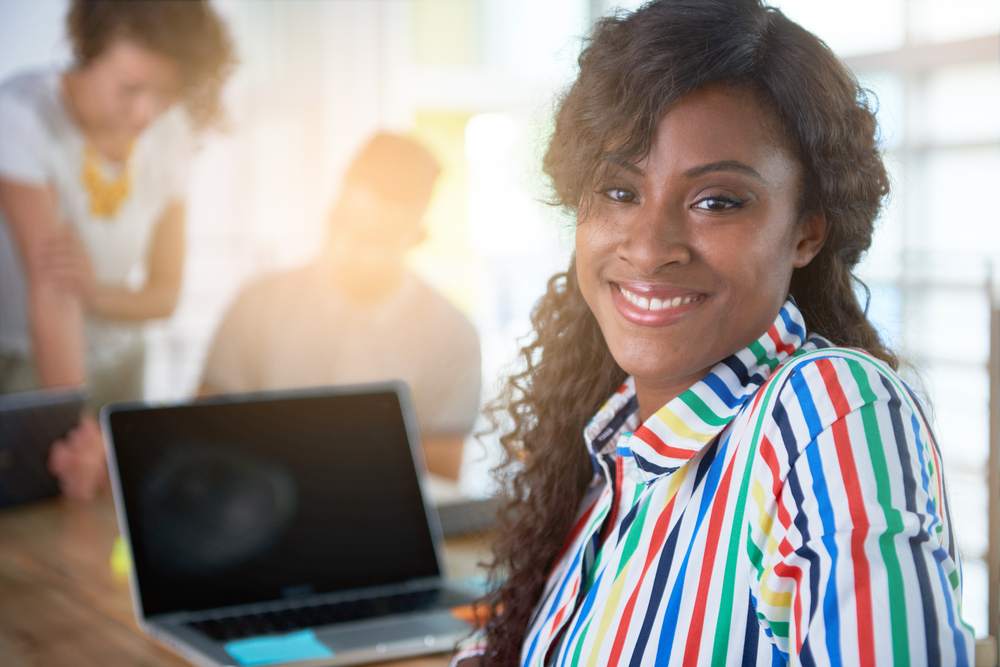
<point x="443" y="454"/>
<point x="853" y="560"/>
<point x="55" y="313"/>
<point x="451" y="403"/>
<point x="158" y="296"/>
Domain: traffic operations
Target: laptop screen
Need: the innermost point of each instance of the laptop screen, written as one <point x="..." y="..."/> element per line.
<point x="238" y="502"/>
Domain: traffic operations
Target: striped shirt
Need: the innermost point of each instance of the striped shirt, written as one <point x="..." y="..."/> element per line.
<point x="755" y="522"/>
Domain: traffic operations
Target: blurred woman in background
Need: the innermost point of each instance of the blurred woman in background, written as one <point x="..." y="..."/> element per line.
<point x="93" y="166"/>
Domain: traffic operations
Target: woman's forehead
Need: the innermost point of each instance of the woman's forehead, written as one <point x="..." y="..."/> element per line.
<point x="716" y="114"/>
<point x="132" y="60"/>
<point x="711" y="126"/>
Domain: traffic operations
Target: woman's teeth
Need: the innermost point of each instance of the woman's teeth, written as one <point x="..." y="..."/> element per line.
<point x="657" y="304"/>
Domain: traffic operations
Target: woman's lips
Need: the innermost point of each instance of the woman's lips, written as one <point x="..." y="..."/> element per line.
<point x="654" y="305"/>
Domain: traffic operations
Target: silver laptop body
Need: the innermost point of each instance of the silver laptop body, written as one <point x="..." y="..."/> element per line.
<point x="283" y="527"/>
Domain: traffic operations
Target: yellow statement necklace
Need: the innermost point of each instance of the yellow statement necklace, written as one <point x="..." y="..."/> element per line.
<point x="106" y="194"/>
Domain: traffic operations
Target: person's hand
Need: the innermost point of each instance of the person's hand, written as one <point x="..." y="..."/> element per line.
<point x="63" y="260"/>
<point x="78" y="461"/>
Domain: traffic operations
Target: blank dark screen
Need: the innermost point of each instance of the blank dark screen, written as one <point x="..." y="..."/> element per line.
<point x="232" y="503"/>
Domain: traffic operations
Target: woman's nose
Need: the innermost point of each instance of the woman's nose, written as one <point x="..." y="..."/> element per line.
<point x="655" y="239"/>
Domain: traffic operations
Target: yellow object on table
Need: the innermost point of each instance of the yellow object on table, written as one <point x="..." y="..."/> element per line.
<point x="121" y="559"/>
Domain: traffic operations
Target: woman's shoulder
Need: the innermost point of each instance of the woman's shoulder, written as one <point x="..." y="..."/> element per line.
<point x="33" y="126"/>
<point x="832" y="407"/>
<point x="33" y="93"/>
<point x="30" y="85"/>
<point x="823" y="384"/>
<point x="819" y="354"/>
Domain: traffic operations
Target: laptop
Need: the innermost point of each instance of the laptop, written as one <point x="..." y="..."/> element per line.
<point x="283" y="528"/>
<point x="29" y="422"/>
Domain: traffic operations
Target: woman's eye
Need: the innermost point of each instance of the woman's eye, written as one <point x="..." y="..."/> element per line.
<point x="719" y="203"/>
<point x="619" y="195"/>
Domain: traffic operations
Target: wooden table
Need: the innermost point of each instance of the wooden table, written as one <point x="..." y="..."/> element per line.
<point x="61" y="603"/>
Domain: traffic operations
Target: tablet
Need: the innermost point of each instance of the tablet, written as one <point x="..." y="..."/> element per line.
<point x="29" y="422"/>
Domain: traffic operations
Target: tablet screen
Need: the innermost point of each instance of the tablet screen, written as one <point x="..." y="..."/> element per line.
<point x="29" y="422"/>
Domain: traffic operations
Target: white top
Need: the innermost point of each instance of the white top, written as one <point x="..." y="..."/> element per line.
<point x="291" y="330"/>
<point x="40" y="145"/>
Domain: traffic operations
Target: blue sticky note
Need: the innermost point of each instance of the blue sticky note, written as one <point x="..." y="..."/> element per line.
<point x="286" y="648"/>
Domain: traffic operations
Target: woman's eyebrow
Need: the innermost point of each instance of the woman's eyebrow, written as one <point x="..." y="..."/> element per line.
<point x="614" y="165"/>
<point x="723" y="165"/>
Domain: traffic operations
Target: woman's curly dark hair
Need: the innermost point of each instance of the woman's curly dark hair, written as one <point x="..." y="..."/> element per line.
<point x="632" y="70"/>
<point x="186" y="31"/>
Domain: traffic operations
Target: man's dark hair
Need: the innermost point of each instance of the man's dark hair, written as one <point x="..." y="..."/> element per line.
<point x="397" y="168"/>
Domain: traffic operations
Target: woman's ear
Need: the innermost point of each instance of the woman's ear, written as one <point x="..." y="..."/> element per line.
<point x="811" y="237"/>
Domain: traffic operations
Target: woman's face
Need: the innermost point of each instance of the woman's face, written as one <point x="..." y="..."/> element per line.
<point x="129" y="86"/>
<point x="686" y="257"/>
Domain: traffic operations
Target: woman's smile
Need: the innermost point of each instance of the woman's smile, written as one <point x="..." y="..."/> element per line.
<point x="654" y="305"/>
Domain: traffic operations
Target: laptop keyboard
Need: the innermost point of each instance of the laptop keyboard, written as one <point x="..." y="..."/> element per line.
<point x="285" y="620"/>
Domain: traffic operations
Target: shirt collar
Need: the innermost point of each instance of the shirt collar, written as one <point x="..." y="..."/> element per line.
<point x="619" y="413"/>
<point x="681" y="428"/>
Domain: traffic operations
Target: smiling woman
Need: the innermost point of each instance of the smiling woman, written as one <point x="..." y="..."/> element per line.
<point x="712" y="459"/>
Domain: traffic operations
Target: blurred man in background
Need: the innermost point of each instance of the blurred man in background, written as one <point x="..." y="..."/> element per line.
<point x="358" y="314"/>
